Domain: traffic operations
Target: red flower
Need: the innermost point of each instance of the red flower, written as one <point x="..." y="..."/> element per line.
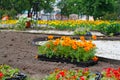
<point x="62" y="73"/>
<point x="82" y="78"/>
<point x="58" y="76"/>
<point x="85" y="70"/>
<point x="1" y="75"/>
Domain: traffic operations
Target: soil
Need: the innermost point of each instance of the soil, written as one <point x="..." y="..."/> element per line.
<point x="16" y="50"/>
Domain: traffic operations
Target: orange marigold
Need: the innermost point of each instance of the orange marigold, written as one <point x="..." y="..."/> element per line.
<point x="95" y="58"/>
<point x="87" y="48"/>
<point x="48" y="45"/>
<point x="82" y="38"/>
<point x="94" y="37"/>
<point x="63" y="37"/>
<point x="50" y="37"/>
<point x="74" y="47"/>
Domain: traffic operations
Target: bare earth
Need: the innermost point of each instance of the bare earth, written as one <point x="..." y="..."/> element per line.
<point x="16" y="50"/>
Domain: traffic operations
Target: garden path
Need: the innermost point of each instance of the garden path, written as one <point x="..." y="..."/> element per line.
<point x="108" y="49"/>
<point x="105" y="48"/>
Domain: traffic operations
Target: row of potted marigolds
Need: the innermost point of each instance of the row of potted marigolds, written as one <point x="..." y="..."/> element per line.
<point x="65" y="49"/>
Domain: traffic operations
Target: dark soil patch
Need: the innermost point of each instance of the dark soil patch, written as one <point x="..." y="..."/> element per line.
<point x="16" y="50"/>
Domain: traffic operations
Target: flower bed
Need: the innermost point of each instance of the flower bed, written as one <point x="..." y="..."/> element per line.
<point x="79" y="27"/>
<point x="8" y="73"/>
<point x="111" y="74"/>
<point x="85" y="74"/>
<point x="68" y="49"/>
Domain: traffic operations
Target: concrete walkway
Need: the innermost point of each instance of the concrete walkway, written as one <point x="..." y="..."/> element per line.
<point x="54" y="32"/>
<point x="108" y="49"/>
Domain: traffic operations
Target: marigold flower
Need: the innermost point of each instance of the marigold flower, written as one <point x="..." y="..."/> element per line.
<point x="94" y="37"/>
<point x="74" y="47"/>
<point x="48" y="45"/>
<point x="95" y="58"/>
<point x="87" y="49"/>
<point x="82" y="38"/>
<point x="63" y="37"/>
<point x="50" y="37"/>
<point x="56" y="42"/>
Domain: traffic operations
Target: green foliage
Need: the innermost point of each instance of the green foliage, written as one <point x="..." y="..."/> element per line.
<point x="21" y="24"/>
<point x="110" y="16"/>
<point x="81" y="31"/>
<point x="97" y="8"/>
<point x="110" y="29"/>
<point x="8" y="71"/>
<point x="22" y="5"/>
<point x="64" y="74"/>
<point x="68" y="48"/>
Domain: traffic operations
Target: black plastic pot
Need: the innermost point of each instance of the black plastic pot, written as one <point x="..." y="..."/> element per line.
<point x="88" y="34"/>
<point x="117" y="33"/>
<point x="62" y="60"/>
<point x="98" y="76"/>
<point x="20" y="76"/>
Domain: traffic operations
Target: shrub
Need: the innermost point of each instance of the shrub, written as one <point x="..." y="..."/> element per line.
<point x="81" y="31"/>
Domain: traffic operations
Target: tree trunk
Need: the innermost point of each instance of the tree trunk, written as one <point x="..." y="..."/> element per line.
<point x="87" y="17"/>
<point x="94" y="17"/>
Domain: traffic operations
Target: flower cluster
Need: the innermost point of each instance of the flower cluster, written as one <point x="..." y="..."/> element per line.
<point x="66" y="47"/>
<point x="85" y="74"/>
<point x="7" y="72"/>
<point x="1" y="75"/>
<point x="64" y="74"/>
<point x="8" y="22"/>
<point x="111" y="74"/>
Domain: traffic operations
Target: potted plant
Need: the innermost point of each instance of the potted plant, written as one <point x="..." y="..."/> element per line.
<point x="23" y="23"/>
<point x="70" y="50"/>
<point x="63" y="74"/>
<point x="9" y="73"/>
<point x="82" y="31"/>
<point x="110" y="74"/>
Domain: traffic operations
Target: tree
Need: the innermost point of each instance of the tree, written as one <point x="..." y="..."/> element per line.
<point x="69" y="7"/>
<point x="21" y="5"/>
<point x="97" y="8"/>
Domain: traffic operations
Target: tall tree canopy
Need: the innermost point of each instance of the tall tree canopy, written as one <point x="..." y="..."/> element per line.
<point x="18" y="6"/>
<point x="95" y="8"/>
